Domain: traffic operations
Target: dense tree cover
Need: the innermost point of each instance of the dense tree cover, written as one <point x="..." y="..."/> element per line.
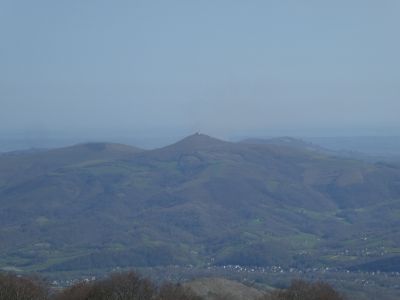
<point x="125" y="286"/>
<point x="130" y="286"/>
<point x="13" y="287"/>
<point x="120" y="286"/>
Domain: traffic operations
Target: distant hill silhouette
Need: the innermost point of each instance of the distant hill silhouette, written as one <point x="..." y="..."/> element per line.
<point x="286" y="141"/>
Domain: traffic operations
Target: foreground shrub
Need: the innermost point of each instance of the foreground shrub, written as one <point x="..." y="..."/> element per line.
<point x="125" y="286"/>
<point x="130" y="286"/>
<point x="122" y="286"/>
<point x="78" y="291"/>
<point x="13" y="287"/>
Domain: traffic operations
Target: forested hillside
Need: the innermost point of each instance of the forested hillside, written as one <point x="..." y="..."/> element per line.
<point x="200" y="201"/>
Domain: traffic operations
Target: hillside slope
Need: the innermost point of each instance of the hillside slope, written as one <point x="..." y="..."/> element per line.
<point x="198" y="201"/>
<point x="220" y="288"/>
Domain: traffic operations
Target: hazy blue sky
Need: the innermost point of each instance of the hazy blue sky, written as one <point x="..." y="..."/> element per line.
<point x="225" y="68"/>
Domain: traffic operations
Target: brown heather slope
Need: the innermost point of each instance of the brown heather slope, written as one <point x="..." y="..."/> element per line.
<point x="220" y="288"/>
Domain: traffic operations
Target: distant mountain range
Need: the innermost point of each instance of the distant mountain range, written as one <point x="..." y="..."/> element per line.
<point x="371" y="149"/>
<point x="199" y="201"/>
<point x="376" y="146"/>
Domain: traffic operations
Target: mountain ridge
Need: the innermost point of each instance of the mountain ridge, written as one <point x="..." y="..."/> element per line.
<point x="198" y="201"/>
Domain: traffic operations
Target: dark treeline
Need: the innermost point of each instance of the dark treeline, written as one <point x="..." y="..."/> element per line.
<point x="130" y="286"/>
